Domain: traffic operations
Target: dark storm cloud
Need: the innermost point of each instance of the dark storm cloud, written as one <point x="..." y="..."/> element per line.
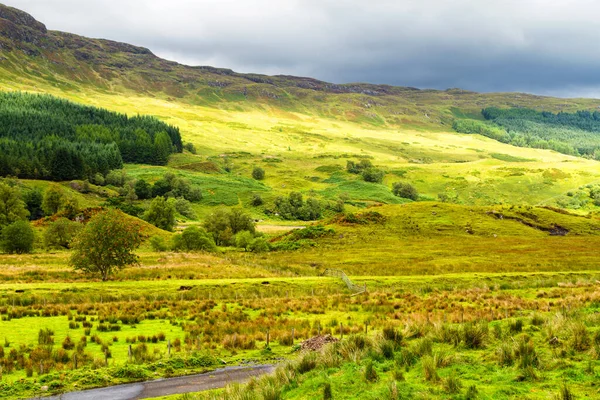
<point x="546" y="47"/>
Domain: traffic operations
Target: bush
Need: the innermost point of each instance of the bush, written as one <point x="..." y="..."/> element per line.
<point x="143" y="190"/>
<point x="172" y="185"/>
<point x="294" y="207"/>
<point x="259" y="245"/>
<point x="61" y="233"/>
<point x="373" y="175"/>
<point x="190" y="147"/>
<point x="257" y="200"/>
<point x="53" y="200"/>
<point x="195" y="239"/>
<point x="258" y="173"/>
<point x="224" y="223"/>
<point x="161" y="213"/>
<point x="184" y="207"/>
<point x="244" y="239"/>
<point x="357" y="168"/>
<point x="18" y="238"/>
<point x="405" y="191"/>
<point x="158" y="244"/>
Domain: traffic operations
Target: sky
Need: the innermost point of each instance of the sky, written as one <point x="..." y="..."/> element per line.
<point x="546" y="47"/>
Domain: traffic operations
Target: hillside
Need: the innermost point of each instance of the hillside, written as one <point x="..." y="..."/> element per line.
<point x="68" y="62"/>
<point x="300" y="130"/>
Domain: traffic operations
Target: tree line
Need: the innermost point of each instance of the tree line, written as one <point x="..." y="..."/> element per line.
<point x="576" y="134"/>
<point x="44" y="137"/>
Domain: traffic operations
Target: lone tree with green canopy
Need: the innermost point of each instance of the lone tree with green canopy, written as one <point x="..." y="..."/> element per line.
<point x="106" y="244"/>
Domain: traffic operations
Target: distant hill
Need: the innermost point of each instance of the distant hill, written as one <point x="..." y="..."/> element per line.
<point x="37" y="57"/>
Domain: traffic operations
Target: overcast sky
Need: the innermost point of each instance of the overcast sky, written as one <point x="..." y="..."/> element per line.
<point x="538" y="46"/>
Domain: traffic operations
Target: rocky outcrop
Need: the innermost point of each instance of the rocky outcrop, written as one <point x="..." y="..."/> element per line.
<point x="21" y="19"/>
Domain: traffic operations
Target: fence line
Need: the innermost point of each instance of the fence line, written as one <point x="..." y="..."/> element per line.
<point x="357" y="289"/>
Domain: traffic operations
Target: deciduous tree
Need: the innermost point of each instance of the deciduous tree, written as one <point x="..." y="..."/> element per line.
<point x="106" y="244"/>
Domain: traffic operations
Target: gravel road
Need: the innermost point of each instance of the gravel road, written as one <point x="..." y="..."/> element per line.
<point x="169" y="386"/>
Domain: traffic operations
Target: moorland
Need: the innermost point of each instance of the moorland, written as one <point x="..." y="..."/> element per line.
<point x="467" y="223"/>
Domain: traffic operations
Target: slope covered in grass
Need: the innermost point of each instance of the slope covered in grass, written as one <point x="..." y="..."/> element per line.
<point x="301" y="131"/>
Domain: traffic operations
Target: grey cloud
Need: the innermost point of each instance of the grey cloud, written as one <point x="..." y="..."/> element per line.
<point x="546" y="47"/>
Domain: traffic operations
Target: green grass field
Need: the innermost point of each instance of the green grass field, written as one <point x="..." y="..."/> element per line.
<point x="484" y="288"/>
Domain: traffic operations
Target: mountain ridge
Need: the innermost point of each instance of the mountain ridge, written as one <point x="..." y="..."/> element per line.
<point x="34" y="57"/>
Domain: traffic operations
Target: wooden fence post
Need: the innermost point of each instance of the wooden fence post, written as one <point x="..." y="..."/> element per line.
<point x="268" y="337"/>
<point x="341" y="331"/>
<point x="293" y="334"/>
<point x="169" y="347"/>
<point x="130" y="353"/>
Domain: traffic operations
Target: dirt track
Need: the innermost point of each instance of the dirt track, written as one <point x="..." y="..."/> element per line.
<point x="164" y="387"/>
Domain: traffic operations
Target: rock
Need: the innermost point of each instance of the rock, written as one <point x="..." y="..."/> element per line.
<point x="44" y="388"/>
<point x="317" y="342"/>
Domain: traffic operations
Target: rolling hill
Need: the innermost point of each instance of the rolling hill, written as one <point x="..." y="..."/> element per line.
<point x="301" y="130"/>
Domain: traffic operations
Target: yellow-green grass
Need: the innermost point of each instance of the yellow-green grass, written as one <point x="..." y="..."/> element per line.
<point x="436" y="162"/>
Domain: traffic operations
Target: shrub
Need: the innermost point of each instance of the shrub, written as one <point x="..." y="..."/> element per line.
<point x="257" y="200"/>
<point x="387" y="349"/>
<point x="18" y="238"/>
<point x="224" y="223"/>
<point x="143" y="190"/>
<point x="516" y="326"/>
<point x="184" y="207"/>
<point x="259" y="245"/>
<point x="53" y="200"/>
<point x="45" y="337"/>
<point x="526" y="353"/>
<point x="506" y="354"/>
<point x="132" y="372"/>
<point x="373" y="175"/>
<point x="68" y="343"/>
<point x="190" y="147"/>
<point x="244" y="239"/>
<point x="116" y="178"/>
<point x="195" y="239"/>
<point x="258" y="173"/>
<point x="158" y="244"/>
<point x="405" y="191"/>
<point x="392" y="334"/>
<point x="61" y="233"/>
<point x="161" y="213"/>
<point x="357" y="168"/>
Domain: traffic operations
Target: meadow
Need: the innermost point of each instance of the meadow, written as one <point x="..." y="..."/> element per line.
<point x="427" y="278"/>
<point x="484" y="287"/>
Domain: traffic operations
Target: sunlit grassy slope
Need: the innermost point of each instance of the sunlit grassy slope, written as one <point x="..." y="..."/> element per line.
<point x="300" y="130"/>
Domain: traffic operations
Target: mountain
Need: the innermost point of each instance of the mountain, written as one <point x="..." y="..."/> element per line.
<point x="303" y="131"/>
<point x="35" y="56"/>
